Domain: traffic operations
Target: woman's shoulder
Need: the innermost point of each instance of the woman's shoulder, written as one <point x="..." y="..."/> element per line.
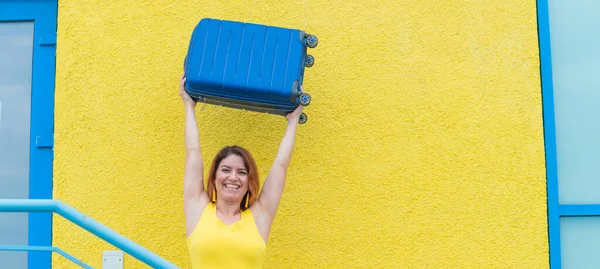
<point x="205" y="212"/>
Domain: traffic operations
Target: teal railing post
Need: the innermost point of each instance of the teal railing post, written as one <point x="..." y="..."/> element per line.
<point x="89" y="224"/>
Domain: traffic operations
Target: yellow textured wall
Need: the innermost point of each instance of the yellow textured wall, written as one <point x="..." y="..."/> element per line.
<point x="423" y="149"/>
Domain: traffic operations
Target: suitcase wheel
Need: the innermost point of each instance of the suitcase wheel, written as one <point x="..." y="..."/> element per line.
<point x="304" y="99"/>
<point x="312" y="41"/>
<point x="309" y="61"/>
<point x="303" y="118"/>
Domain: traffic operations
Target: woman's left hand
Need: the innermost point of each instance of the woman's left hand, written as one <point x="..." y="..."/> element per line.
<point x="294" y="115"/>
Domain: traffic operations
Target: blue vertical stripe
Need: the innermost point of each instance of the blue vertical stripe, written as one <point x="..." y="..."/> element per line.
<point x="549" y="133"/>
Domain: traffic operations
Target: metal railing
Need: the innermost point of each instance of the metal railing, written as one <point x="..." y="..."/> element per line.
<point x="42" y="248"/>
<point x="85" y="222"/>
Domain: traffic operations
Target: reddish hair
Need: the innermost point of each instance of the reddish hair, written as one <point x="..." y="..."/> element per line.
<point x="253" y="181"/>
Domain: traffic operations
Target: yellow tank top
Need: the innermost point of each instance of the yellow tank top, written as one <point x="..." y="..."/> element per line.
<point x="213" y="244"/>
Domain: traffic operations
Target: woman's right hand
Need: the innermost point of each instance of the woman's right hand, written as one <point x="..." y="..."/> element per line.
<point x="187" y="100"/>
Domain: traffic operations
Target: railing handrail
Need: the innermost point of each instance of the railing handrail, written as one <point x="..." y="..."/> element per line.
<point x="87" y="223"/>
<point x="47" y="249"/>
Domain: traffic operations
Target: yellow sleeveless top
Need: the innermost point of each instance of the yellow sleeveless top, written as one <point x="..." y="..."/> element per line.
<point x="213" y="244"/>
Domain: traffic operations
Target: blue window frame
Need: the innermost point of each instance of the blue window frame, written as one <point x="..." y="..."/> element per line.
<point x="43" y="13"/>
<point x="549" y="133"/>
<point x="571" y="102"/>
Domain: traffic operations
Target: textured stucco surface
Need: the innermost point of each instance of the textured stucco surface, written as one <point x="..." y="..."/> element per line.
<point x="424" y="146"/>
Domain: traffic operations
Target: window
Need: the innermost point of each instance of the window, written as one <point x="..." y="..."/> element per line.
<point x="27" y="71"/>
<point x="570" y="70"/>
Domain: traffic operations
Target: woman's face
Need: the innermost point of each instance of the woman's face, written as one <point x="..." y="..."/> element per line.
<point x="231" y="179"/>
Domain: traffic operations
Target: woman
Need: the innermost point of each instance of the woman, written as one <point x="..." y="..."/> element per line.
<point x="228" y="223"/>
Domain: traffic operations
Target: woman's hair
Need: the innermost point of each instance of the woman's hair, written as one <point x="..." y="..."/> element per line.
<point x="253" y="182"/>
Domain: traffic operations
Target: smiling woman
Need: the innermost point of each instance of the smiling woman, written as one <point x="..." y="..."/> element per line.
<point x="232" y="171"/>
<point x="228" y="224"/>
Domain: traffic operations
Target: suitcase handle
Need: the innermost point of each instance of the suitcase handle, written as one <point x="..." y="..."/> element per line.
<point x="295" y="91"/>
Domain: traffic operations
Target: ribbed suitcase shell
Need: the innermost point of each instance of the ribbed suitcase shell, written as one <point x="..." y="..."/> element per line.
<point x="244" y="65"/>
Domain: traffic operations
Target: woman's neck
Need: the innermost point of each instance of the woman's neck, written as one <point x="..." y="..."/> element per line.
<point x="227" y="208"/>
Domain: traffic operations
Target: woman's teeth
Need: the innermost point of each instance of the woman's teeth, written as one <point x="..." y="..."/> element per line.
<point x="231" y="186"/>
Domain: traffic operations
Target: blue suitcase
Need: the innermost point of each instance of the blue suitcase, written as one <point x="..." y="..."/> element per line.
<point x="248" y="66"/>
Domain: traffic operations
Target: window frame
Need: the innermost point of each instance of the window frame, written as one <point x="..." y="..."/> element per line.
<point x="44" y="15"/>
<point x="556" y="211"/>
